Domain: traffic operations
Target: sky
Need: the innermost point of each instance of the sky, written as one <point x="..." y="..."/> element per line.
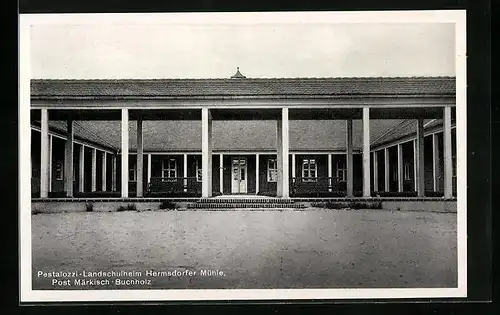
<point x="100" y="51"/>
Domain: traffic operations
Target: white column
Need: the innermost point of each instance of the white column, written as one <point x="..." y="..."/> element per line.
<point x="283" y="156"/>
<point x="149" y="169"/>
<point x="124" y="154"/>
<point x="448" y="168"/>
<point x="279" y="158"/>
<point x="435" y="162"/>
<point x="51" y="161"/>
<point x="81" y="170"/>
<point x="221" y="173"/>
<point x="140" y="159"/>
<point x="44" y="154"/>
<point x="68" y="160"/>
<point x="386" y="170"/>
<point x="329" y="172"/>
<point x="104" y="170"/>
<point x="286" y="150"/>
<point x="400" y="167"/>
<point x="366" y="152"/>
<point x="257" y="171"/>
<point x="420" y="174"/>
<point x="206" y="152"/>
<point x="94" y="170"/>
<point x="349" y="159"/>
<point x="185" y="170"/>
<point x="375" y="171"/>
<point x="113" y="172"/>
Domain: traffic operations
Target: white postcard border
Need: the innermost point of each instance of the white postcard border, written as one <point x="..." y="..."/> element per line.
<point x="441" y="16"/>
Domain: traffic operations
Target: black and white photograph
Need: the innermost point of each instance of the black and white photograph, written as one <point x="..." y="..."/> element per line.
<point x="243" y="156"/>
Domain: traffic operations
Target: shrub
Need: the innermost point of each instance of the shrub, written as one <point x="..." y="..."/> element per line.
<point x="35" y="211"/>
<point x="349" y="205"/>
<point x="89" y="207"/>
<point x="167" y="204"/>
<point x="128" y="207"/>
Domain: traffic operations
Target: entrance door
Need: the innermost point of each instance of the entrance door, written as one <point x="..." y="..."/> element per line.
<point x="239" y="175"/>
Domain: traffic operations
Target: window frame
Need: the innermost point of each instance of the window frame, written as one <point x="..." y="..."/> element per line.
<point x="342" y="170"/>
<point x="169" y="168"/>
<point x="308" y="170"/>
<point x="133" y="169"/>
<point x="269" y="170"/>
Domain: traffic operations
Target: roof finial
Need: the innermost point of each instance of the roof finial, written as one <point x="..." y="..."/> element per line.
<point x="238" y="74"/>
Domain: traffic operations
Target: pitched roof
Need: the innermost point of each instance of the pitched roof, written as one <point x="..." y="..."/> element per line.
<point x="398" y="86"/>
<point x="305" y="135"/>
<point x="407" y="127"/>
<point x="317" y="135"/>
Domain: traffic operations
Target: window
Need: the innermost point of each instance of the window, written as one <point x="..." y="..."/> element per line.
<point x="309" y="169"/>
<point x="341" y="170"/>
<point x="407" y="171"/>
<point x="59" y="170"/>
<point x="169" y="168"/>
<point x="132" y="172"/>
<point x="272" y="170"/>
<point x="199" y="171"/>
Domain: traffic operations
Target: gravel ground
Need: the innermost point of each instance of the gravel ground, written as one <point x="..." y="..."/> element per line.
<point x="316" y="248"/>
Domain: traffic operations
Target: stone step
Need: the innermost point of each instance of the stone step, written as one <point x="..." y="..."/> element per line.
<point x="246" y="205"/>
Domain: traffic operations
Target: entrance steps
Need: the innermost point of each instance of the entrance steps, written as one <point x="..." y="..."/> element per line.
<point x="240" y="202"/>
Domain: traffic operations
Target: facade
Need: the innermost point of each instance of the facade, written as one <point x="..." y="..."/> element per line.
<point x="285" y="137"/>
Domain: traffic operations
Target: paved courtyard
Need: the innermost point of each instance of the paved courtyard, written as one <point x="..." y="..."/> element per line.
<point x="315" y="248"/>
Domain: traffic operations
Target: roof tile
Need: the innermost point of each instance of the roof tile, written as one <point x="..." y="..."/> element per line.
<point x="244" y="87"/>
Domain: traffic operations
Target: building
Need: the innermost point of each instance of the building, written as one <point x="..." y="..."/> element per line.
<point x="285" y="137"/>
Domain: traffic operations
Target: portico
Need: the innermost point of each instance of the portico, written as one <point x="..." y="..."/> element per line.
<point x="241" y="99"/>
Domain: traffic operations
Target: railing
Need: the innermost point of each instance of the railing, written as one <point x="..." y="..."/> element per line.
<point x="174" y="185"/>
<point x="315" y="185"/>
